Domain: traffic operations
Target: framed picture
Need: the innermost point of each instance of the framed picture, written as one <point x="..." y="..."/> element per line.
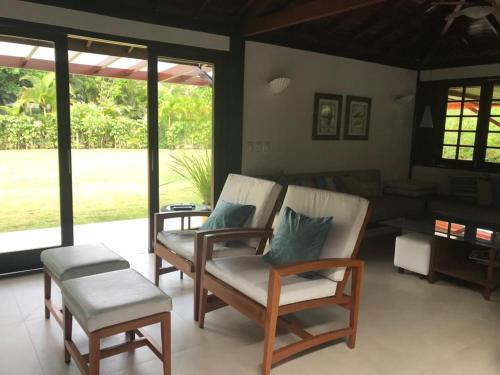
<point x="357" y="118"/>
<point x="327" y="116"/>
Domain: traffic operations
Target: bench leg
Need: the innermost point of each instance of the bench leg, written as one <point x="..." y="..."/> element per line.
<point x="68" y="332"/>
<point x="94" y="354"/>
<point x="47" y="286"/>
<point x="165" y="344"/>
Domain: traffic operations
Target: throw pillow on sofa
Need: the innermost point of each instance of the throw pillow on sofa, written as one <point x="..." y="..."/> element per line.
<point x="463" y="188"/>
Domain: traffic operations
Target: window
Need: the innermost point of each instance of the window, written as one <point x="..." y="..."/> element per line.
<point x="461" y="122"/>
<point x="493" y="139"/>
<point x="471" y="126"/>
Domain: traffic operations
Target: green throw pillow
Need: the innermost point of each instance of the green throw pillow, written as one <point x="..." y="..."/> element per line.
<point x="298" y="238"/>
<point x="228" y="215"/>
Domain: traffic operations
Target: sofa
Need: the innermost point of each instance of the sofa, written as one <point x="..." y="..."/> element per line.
<point x="365" y="183"/>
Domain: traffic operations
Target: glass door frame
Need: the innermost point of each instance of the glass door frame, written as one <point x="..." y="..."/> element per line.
<point x="226" y="132"/>
<point x="18" y="261"/>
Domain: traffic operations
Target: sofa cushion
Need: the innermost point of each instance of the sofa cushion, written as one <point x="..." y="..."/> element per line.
<point x="297" y="238"/>
<point x="463" y="188"/>
<point x="70" y="262"/>
<point x="392" y="206"/>
<point x="111" y="298"/>
<point x="182" y="243"/>
<point x="495" y="192"/>
<point x="250" y="275"/>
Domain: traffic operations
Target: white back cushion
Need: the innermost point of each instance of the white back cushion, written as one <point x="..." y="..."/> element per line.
<point x="262" y="194"/>
<point x="348" y="213"/>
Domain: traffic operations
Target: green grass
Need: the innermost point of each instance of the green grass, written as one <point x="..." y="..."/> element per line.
<point x="108" y="184"/>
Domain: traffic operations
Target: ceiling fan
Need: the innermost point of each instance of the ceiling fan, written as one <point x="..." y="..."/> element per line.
<point x="474" y="9"/>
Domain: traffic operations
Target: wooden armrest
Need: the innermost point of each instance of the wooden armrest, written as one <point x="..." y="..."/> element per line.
<point x="315" y="265"/>
<point x="232" y="235"/>
<point x="161" y="216"/>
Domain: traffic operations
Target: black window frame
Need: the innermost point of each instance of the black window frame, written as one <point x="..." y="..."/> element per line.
<point x="478" y="161"/>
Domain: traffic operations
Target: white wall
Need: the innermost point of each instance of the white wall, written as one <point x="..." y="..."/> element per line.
<point x="39" y="13"/>
<point x="285" y="120"/>
<point x="488" y="70"/>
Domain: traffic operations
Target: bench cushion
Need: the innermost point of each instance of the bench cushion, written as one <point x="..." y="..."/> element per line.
<point x="182" y="242"/>
<point x="110" y="298"/>
<point x="250" y="275"/>
<point x="82" y="260"/>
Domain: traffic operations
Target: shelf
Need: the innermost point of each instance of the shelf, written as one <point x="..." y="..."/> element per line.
<point x="468" y="271"/>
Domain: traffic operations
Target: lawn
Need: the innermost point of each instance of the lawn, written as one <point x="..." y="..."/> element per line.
<point x="108" y="184"/>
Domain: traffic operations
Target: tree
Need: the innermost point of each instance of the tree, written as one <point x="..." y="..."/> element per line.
<point x="42" y="93"/>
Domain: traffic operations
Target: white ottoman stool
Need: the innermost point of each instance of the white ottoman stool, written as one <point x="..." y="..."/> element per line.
<point x="111" y="303"/>
<point x="64" y="263"/>
<point x="413" y="253"/>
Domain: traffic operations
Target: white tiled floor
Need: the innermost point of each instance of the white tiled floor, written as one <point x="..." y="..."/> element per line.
<point x="407" y="326"/>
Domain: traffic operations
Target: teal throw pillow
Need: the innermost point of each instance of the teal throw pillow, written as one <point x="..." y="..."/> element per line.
<point x="298" y="238"/>
<point x="228" y="215"/>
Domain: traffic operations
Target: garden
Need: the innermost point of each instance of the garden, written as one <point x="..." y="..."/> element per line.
<point x="109" y="147"/>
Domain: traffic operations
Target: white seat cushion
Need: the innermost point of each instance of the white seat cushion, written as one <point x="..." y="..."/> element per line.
<point x="111" y="298"/>
<point x="82" y="260"/>
<point x="250" y="276"/>
<point x="413" y="252"/>
<point x="182" y="243"/>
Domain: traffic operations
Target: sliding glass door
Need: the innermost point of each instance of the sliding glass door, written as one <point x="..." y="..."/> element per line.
<point x="108" y="85"/>
<point x="29" y="164"/>
<point x="95" y="137"/>
<point x="185" y="131"/>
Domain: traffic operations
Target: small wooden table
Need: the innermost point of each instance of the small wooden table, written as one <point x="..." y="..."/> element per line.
<point x="454" y="242"/>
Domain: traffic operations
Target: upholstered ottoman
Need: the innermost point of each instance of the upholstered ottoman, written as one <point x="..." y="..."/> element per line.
<point x="413" y="253"/>
<point x="64" y="263"/>
<point x="110" y="303"/>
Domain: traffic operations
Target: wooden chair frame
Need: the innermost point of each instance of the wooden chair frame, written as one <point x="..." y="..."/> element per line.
<point x="273" y="314"/>
<point x="89" y="364"/>
<point x="186" y="266"/>
<point x="49" y="306"/>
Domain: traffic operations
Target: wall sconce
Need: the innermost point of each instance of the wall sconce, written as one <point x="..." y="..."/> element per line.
<point x="279" y="84"/>
<point x="404" y="99"/>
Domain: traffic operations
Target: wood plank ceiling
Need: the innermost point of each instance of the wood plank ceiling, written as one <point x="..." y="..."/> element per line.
<point x="408" y="33"/>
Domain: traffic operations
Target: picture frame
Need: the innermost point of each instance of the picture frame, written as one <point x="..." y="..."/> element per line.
<point x="357" y="118"/>
<point x="327" y="117"/>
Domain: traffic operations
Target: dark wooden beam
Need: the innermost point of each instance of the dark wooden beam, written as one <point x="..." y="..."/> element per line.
<point x="307" y="12"/>
<point x="434" y="47"/>
<point x="253" y="7"/>
<point x="378" y="16"/>
<point x="202" y="7"/>
<point x="494" y="24"/>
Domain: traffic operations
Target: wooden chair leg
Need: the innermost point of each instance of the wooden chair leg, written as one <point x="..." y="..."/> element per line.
<point x="202" y="307"/>
<point x="47" y="286"/>
<point x="94" y="354"/>
<point x="354" y="311"/>
<point x="166" y="346"/>
<point x="68" y="332"/>
<point x="131" y="335"/>
<point x="157" y="269"/>
<point x="270" y="334"/>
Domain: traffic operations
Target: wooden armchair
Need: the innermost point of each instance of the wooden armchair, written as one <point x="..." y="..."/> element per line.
<point x="180" y="247"/>
<point x="267" y="294"/>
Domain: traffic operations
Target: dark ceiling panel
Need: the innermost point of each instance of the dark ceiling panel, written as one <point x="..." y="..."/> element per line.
<point x="396" y="32"/>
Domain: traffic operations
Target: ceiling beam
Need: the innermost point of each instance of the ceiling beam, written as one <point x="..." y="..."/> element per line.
<point x="253" y="7"/>
<point x="307" y="12"/>
<point x="494" y="24"/>
<point x="434" y="47"/>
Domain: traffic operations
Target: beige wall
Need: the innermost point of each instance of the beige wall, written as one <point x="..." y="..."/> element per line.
<point x="283" y="122"/>
<point x="109" y="25"/>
